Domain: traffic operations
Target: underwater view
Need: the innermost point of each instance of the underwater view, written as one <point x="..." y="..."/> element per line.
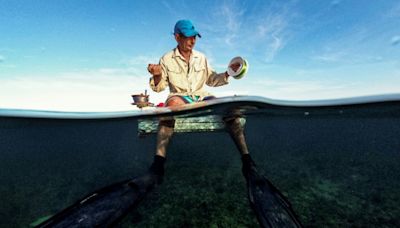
<point x="338" y="165"/>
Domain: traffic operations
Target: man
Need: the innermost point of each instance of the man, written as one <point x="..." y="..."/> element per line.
<point x="185" y="71"/>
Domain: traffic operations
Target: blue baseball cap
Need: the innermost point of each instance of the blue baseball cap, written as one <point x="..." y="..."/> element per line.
<point x="186" y="28"/>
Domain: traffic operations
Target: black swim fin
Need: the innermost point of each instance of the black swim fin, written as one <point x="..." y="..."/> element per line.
<point x="270" y="206"/>
<point x="105" y="207"/>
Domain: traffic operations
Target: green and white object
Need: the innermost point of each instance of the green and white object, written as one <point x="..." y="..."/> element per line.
<point x="244" y="66"/>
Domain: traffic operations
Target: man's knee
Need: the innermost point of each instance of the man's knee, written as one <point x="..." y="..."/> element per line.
<point x="230" y="120"/>
<point x="233" y="123"/>
<point x="175" y="101"/>
<point x="167" y="123"/>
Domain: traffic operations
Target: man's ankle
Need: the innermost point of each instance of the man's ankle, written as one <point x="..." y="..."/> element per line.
<point x="157" y="167"/>
<point x="247" y="164"/>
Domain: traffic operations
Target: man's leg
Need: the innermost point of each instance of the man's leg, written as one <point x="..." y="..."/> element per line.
<point x="236" y="131"/>
<point x="165" y="132"/>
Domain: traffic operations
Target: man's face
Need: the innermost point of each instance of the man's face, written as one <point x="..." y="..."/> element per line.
<point x="185" y="44"/>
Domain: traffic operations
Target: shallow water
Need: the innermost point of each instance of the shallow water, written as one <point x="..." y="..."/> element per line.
<point x="337" y="164"/>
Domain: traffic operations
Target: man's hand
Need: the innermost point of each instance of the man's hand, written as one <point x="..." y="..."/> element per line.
<point x="154" y="69"/>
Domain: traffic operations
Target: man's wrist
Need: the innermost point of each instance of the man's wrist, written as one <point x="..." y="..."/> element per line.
<point x="226" y="74"/>
<point x="157" y="79"/>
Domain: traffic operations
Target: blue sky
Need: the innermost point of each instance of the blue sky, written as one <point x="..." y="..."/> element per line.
<point x="92" y="55"/>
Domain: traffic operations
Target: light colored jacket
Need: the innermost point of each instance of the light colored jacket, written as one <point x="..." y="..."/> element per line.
<point x="187" y="79"/>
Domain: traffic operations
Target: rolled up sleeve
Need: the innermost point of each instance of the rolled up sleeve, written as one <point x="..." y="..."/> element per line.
<point x="214" y="79"/>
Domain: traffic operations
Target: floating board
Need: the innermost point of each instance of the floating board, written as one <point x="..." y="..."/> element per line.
<point x="185" y="123"/>
<point x="208" y="123"/>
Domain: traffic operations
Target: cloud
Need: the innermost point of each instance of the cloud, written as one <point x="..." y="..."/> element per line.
<point x="347" y="57"/>
<point x="359" y="41"/>
<point x="275" y="45"/>
<point x="358" y="46"/>
<point x="142" y="60"/>
<point x="228" y="22"/>
<point x="298" y="87"/>
<point x="103" y="89"/>
<point x="251" y="29"/>
<point x="335" y="3"/>
<point x="271" y="26"/>
<point x="232" y="18"/>
<point x="330" y="57"/>
<point x="273" y="30"/>
<point x="6" y="64"/>
<point x="318" y="89"/>
<point x="171" y="9"/>
<point x="394" y="11"/>
<point x="395" y="40"/>
<point x="10" y="66"/>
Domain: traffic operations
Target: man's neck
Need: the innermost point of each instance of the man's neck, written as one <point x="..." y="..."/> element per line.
<point x="185" y="54"/>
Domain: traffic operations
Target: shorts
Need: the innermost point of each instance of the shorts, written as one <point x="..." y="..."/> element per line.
<point x="191" y="99"/>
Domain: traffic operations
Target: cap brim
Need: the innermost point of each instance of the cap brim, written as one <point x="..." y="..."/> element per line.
<point x="191" y="33"/>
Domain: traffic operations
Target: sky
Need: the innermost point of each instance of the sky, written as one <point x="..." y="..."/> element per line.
<point x="92" y="55"/>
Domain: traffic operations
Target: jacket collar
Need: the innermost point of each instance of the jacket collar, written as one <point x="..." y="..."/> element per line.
<point x="195" y="54"/>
